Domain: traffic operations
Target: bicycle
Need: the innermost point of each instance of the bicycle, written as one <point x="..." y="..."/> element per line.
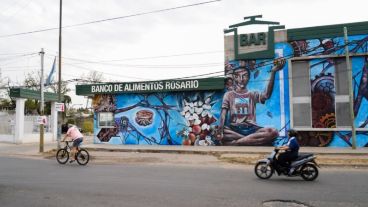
<point x="62" y="155"/>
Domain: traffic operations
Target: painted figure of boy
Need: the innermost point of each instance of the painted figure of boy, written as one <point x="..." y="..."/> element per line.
<point x="241" y="105"/>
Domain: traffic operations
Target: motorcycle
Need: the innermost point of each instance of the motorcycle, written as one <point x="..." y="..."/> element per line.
<point x="304" y="166"/>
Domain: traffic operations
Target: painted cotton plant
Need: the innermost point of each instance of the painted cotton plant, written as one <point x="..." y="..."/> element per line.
<point x="198" y="118"/>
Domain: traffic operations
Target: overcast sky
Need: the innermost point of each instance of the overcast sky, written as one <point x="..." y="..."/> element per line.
<point x="162" y="45"/>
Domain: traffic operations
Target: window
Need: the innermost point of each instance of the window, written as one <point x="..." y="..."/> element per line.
<point x="300" y="83"/>
<point x="105" y="119"/>
<point x="342" y="93"/>
<point x="301" y="114"/>
<point x="342" y="114"/>
<point x="319" y="92"/>
<point x="300" y="86"/>
<point x="342" y="82"/>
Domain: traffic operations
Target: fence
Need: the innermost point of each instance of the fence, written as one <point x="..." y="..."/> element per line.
<point x="7" y="122"/>
<point x="32" y="127"/>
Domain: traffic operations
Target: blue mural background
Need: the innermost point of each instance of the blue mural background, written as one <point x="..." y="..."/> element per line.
<point x="194" y="118"/>
<point x="168" y="124"/>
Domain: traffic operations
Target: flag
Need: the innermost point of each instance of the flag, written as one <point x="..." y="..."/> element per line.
<point x="50" y="78"/>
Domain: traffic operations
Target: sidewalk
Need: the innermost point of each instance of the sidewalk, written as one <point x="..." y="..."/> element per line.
<point x="106" y="153"/>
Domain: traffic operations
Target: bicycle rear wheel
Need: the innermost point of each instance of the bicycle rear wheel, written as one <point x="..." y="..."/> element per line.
<point x="62" y="156"/>
<point x="82" y="157"/>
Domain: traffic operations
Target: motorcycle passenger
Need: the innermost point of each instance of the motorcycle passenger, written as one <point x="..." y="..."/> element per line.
<point x="291" y="150"/>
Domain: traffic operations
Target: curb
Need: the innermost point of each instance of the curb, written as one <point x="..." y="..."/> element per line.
<point x="324" y="159"/>
<point x="211" y="152"/>
<point x="240" y="157"/>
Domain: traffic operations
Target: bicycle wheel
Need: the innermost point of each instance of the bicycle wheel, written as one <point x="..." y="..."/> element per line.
<point x="82" y="157"/>
<point x="62" y="156"/>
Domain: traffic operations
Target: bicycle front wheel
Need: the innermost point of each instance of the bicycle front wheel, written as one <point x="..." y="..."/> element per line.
<point x="82" y="157"/>
<point x="62" y="156"/>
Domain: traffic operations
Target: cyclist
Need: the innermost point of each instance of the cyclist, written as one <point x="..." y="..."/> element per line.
<point x="77" y="138"/>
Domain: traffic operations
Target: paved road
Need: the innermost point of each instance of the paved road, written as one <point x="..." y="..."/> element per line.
<point x="38" y="183"/>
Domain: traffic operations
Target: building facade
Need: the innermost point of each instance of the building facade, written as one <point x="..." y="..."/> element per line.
<point x="274" y="80"/>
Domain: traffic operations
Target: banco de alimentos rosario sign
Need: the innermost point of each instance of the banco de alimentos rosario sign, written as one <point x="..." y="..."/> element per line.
<point x="151" y="86"/>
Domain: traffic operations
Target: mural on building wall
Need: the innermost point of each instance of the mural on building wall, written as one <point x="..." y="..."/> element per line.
<point x="162" y="118"/>
<point x="249" y="84"/>
<point x="323" y="91"/>
<point x="322" y="82"/>
<point x="253" y="109"/>
<point x="104" y="103"/>
<point x="322" y="76"/>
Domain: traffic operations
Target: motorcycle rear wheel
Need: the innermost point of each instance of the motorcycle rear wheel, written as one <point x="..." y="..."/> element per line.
<point x="263" y="170"/>
<point x="309" y="172"/>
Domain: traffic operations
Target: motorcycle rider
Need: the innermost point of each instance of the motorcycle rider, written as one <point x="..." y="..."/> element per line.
<point x="291" y="151"/>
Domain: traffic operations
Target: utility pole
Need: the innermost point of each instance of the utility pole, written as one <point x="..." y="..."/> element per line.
<point x="42" y="53"/>
<point x="60" y="117"/>
<point x="351" y="95"/>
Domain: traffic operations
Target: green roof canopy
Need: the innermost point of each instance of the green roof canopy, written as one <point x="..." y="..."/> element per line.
<point x="32" y="94"/>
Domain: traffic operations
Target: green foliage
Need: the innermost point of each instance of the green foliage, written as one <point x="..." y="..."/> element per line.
<point x="88" y="126"/>
<point x="70" y="121"/>
<point x="31" y="106"/>
<point x="7" y="104"/>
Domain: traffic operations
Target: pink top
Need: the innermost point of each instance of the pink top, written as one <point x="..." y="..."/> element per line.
<point x="74" y="133"/>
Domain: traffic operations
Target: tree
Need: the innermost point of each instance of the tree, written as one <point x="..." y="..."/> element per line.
<point x="7" y="104"/>
<point x="93" y="77"/>
<point x="32" y="81"/>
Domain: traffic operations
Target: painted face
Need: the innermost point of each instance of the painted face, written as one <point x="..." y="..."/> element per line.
<point x="229" y="82"/>
<point x="241" y="78"/>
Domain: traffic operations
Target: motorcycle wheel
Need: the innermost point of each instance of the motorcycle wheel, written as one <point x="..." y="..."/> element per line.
<point x="263" y="171"/>
<point x="309" y="172"/>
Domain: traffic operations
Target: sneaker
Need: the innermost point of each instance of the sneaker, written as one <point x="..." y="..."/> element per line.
<point x="71" y="161"/>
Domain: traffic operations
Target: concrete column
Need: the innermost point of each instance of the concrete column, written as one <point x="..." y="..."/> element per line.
<point x="19" y="120"/>
<point x="54" y="119"/>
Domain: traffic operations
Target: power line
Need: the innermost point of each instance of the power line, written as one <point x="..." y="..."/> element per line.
<point x="142" y="58"/>
<point x="199" y="65"/>
<point x="270" y="62"/>
<point x="124" y="76"/>
<point x="27" y="67"/>
<point x="187" y="77"/>
<point x="110" y="19"/>
<point x="257" y="66"/>
<point x="18" y="54"/>
<point x="11" y="59"/>
<point x="194" y="76"/>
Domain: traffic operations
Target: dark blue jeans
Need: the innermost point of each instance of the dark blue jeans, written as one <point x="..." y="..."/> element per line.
<point x="286" y="158"/>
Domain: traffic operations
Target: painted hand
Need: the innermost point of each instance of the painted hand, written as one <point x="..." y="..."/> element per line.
<point x="278" y="63"/>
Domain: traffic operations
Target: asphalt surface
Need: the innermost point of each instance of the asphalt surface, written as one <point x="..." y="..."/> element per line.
<point x="174" y="176"/>
<point x="43" y="182"/>
<point x="188" y="155"/>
